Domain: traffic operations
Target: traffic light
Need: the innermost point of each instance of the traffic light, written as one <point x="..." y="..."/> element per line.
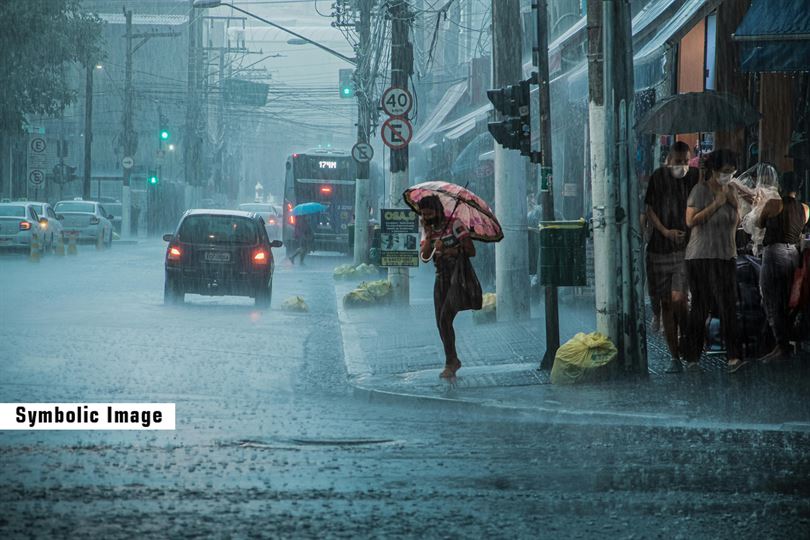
<point x="346" y="83"/>
<point x="514" y="129"/>
<point x="152" y="178"/>
<point x="164" y="132"/>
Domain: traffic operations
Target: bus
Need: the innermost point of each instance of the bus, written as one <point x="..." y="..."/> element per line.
<point x="327" y="177"/>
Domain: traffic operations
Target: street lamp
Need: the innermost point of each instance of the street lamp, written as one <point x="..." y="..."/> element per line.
<point x="206" y="4"/>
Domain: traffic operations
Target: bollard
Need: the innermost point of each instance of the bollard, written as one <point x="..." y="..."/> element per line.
<point x="59" y="247"/>
<point x="35" y="251"/>
<point x="100" y="241"/>
<point x="72" y="244"/>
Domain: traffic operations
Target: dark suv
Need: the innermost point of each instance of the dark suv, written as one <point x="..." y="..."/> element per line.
<point x="219" y="252"/>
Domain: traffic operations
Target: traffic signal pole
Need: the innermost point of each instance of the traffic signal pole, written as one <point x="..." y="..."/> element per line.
<point x="129" y="146"/>
<point x="88" y="130"/>
<point x="546" y="178"/>
<point x="401" y="69"/>
<point x="363" y="125"/>
<point x="511" y="255"/>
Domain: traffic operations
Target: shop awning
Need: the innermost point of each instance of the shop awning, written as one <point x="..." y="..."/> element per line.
<point x="456" y="128"/>
<point x="674" y="29"/>
<point x="447" y="103"/>
<point x="775" y="36"/>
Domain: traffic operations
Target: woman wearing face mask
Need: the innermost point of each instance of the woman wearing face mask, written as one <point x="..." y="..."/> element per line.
<point x="712" y="217"/>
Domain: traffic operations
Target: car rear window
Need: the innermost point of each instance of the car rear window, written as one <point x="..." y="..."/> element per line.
<point x="75" y="207"/>
<point x="15" y="211"/>
<point x="232" y="230"/>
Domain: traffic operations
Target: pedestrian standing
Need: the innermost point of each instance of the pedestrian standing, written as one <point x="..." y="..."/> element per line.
<point x="445" y="242"/>
<point x="665" y="200"/>
<point x="712" y="216"/>
<point x="783" y="220"/>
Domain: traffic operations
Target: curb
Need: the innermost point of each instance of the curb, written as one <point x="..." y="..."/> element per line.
<point x="358" y="369"/>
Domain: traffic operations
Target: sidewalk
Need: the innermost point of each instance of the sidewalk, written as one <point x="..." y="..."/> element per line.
<point x="395" y="353"/>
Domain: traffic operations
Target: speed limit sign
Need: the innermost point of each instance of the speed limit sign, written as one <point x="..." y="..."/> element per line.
<point x="397" y="101"/>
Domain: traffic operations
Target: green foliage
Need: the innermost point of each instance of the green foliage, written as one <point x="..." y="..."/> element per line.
<point x="39" y="40"/>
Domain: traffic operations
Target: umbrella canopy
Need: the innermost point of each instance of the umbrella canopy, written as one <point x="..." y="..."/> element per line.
<point x="695" y="112"/>
<point x="305" y="209"/>
<point x="459" y="203"/>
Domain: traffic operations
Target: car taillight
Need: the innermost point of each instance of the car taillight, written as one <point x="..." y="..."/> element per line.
<point x="94" y="220"/>
<point x="326" y="190"/>
<point x="271" y="221"/>
<point x="24" y="226"/>
<point x="260" y="257"/>
<point x="174" y="253"/>
<point x="292" y="220"/>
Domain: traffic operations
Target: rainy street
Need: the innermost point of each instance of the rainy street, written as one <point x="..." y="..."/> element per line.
<point x="271" y="441"/>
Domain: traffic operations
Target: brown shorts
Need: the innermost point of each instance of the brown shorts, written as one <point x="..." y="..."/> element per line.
<point x="666" y="272"/>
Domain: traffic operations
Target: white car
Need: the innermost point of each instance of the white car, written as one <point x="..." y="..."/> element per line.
<point x="19" y="223"/>
<point x="271" y="216"/>
<point x="50" y="224"/>
<point x="88" y="219"/>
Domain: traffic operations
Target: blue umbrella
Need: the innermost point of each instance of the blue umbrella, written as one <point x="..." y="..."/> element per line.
<point x="305" y="209"/>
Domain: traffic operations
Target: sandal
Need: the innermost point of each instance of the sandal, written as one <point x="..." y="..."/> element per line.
<point x="449" y="371"/>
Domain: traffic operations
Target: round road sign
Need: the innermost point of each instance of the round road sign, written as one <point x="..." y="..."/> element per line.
<point x="362" y="152"/>
<point x="397" y="133"/>
<point x="36" y="177"/>
<point x="127" y="162"/>
<point x="38" y="145"/>
<point x="397" y="101"/>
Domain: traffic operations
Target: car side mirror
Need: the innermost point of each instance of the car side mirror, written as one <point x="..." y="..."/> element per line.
<point x="276" y="243"/>
<point x="60" y="217"/>
<point x="168" y="237"/>
<point x="111" y="217"/>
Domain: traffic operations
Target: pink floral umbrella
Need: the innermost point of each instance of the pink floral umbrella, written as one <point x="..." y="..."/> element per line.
<point x="459" y="203"/>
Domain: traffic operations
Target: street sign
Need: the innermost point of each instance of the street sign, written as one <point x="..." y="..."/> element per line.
<point x="397" y="132"/>
<point x="127" y="162"/>
<point x="397" y="101"/>
<point x="399" y="237"/>
<point x="37" y="159"/>
<point x="362" y="152"/>
<point x="36" y="177"/>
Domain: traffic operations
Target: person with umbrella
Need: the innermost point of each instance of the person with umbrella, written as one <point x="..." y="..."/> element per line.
<point x="303" y="234"/>
<point x="452" y="217"/>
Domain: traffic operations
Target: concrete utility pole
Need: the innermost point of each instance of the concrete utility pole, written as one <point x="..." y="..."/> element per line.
<point x="603" y="192"/>
<point x="88" y="130"/>
<point x="545" y="187"/>
<point x="511" y="255"/>
<point x="129" y="136"/>
<point x="619" y="122"/>
<point x="190" y="143"/>
<point x="362" y="84"/>
<point x="401" y="69"/>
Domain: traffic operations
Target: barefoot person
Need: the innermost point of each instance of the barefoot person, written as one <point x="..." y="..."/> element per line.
<point x="444" y="242"/>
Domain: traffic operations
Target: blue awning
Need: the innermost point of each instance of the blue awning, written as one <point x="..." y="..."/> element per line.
<point x="775" y="36"/>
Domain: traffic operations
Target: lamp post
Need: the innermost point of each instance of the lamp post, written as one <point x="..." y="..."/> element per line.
<point x="207" y="4"/>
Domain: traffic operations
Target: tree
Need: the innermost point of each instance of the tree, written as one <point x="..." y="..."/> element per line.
<point x="40" y="39"/>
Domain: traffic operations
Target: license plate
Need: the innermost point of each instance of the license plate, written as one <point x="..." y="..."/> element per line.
<point x="217" y="256"/>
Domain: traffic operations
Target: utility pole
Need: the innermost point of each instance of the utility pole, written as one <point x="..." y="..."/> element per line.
<point x="401" y="69"/>
<point x="190" y="143"/>
<point x="362" y="84"/>
<point x="221" y="122"/>
<point x="511" y="257"/>
<point x="88" y="129"/>
<point x="545" y="187"/>
<point x="603" y="187"/>
<point x="129" y="146"/>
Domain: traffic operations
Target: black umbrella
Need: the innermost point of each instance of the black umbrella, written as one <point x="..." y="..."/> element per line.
<point x="695" y="112"/>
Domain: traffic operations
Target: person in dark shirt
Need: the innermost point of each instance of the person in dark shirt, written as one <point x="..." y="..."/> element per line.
<point x="665" y="200"/>
<point x="783" y="220"/>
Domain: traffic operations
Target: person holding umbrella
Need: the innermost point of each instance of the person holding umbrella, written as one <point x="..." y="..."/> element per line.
<point x="452" y="217"/>
<point x="303" y="234"/>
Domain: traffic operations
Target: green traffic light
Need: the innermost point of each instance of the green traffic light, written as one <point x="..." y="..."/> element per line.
<point x="153" y="180"/>
<point x="164" y="135"/>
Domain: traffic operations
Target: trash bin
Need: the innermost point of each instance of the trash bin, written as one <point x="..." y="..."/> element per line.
<point x="562" y="253"/>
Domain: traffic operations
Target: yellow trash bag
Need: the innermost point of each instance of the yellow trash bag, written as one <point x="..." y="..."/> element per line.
<point x="344" y="271"/>
<point x="379" y="289"/>
<point x="582" y="357"/>
<point x="296" y="303"/>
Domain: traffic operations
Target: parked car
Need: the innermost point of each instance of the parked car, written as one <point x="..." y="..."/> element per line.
<point x="114" y="207"/>
<point x="50" y="224"/>
<point x="270" y="214"/>
<point x="19" y="223"/>
<point x="219" y="252"/>
<point x="87" y="218"/>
